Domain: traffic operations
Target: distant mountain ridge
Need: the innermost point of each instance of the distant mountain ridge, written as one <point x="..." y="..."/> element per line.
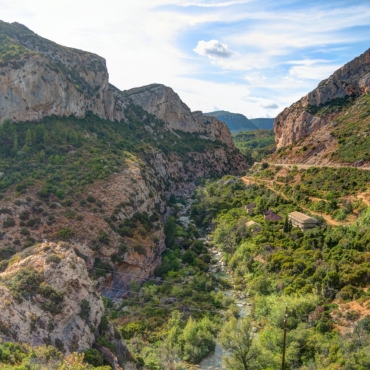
<point x="237" y="122"/>
<point x="263" y="123"/>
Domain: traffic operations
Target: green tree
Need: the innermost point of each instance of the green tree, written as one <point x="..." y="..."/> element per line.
<point x="197" y="340"/>
<point x="261" y="205"/>
<point x="237" y="339"/>
<point x="28" y="141"/>
<point x="42" y="155"/>
<point x="286" y="224"/>
<point x="47" y="139"/>
<point x="170" y="231"/>
<point x="170" y="349"/>
<point x="15" y="141"/>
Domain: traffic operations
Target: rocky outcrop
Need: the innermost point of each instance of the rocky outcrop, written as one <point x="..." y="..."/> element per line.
<point x="48" y="79"/>
<point x="47" y="297"/>
<point x="300" y="120"/>
<point x="166" y="105"/>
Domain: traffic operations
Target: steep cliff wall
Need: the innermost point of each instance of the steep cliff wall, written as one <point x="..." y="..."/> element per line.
<point x="320" y="107"/>
<point x="99" y="184"/>
<point x="44" y="78"/>
<point x="165" y="104"/>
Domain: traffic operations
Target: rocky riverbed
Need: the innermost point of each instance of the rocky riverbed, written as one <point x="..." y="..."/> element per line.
<point x="220" y="270"/>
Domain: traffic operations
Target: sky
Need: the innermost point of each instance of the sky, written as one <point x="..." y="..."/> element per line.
<point x="254" y="57"/>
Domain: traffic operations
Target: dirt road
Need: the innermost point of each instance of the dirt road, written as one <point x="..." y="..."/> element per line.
<point x="250" y="180"/>
<point x="307" y="166"/>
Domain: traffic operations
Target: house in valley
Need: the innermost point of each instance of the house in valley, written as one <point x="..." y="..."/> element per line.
<point x="302" y="221"/>
<point x="250" y="208"/>
<point x="271" y="216"/>
<point x="253" y="226"/>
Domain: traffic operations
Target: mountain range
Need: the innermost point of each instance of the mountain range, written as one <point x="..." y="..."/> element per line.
<point x="237" y="122"/>
<point x="89" y="176"/>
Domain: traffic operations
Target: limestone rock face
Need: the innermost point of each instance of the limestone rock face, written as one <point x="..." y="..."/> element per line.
<point x="295" y="122"/>
<point x="166" y="105"/>
<point x="40" y="78"/>
<point x="27" y="319"/>
<point x="51" y="79"/>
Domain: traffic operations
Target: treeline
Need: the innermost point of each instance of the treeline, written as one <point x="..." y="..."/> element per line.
<point x="21" y="138"/>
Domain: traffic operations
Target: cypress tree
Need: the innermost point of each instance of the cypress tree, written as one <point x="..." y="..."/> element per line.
<point x="286" y="224"/>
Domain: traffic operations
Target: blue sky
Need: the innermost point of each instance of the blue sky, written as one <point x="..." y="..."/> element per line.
<point x="246" y="56"/>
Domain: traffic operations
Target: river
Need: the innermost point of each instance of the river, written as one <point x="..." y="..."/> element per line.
<point x="214" y="360"/>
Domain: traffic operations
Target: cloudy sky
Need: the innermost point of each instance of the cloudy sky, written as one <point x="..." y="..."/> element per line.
<point x="246" y="56"/>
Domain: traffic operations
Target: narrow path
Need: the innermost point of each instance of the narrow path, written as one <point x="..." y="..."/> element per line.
<point x="250" y="180"/>
<point x="307" y="166"/>
<point x="364" y="197"/>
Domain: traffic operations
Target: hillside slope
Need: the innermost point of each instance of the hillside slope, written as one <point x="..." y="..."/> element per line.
<point x="263" y="123"/>
<point x="84" y="164"/>
<point x="255" y="145"/>
<point x="318" y="126"/>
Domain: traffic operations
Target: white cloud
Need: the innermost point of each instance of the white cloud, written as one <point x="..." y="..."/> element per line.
<point x="312" y="69"/>
<point x="213" y="49"/>
<point x="270" y="106"/>
<point x="140" y="40"/>
<point x="221" y="4"/>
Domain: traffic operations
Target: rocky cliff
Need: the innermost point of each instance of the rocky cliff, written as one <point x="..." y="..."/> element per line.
<point x="43" y="78"/>
<point x="84" y="163"/>
<point x="321" y="106"/>
<point x="39" y="78"/>
<point x="165" y="104"/>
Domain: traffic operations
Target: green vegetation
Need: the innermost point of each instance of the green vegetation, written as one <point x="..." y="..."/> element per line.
<point x="326" y="190"/>
<point x="352" y="132"/>
<point x="237" y="340"/>
<point x="71" y="153"/>
<point x="178" y="314"/>
<point x="11" y="50"/>
<point x="19" y="357"/>
<point x="255" y="145"/>
<point x="26" y="283"/>
<point x="307" y="271"/>
<point x="333" y="105"/>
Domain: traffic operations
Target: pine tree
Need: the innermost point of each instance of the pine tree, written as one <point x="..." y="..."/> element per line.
<point x="34" y="136"/>
<point x="15" y="141"/>
<point x="28" y="141"/>
<point x="236" y="339"/>
<point x="47" y="139"/>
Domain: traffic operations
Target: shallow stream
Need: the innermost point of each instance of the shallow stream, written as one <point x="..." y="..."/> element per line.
<point x="214" y="360"/>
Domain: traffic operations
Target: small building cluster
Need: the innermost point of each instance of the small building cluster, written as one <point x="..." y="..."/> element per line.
<point x="296" y="219"/>
<point x="302" y="221"/>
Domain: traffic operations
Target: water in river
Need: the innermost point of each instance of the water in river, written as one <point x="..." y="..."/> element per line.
<point x="214" y="360"/>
